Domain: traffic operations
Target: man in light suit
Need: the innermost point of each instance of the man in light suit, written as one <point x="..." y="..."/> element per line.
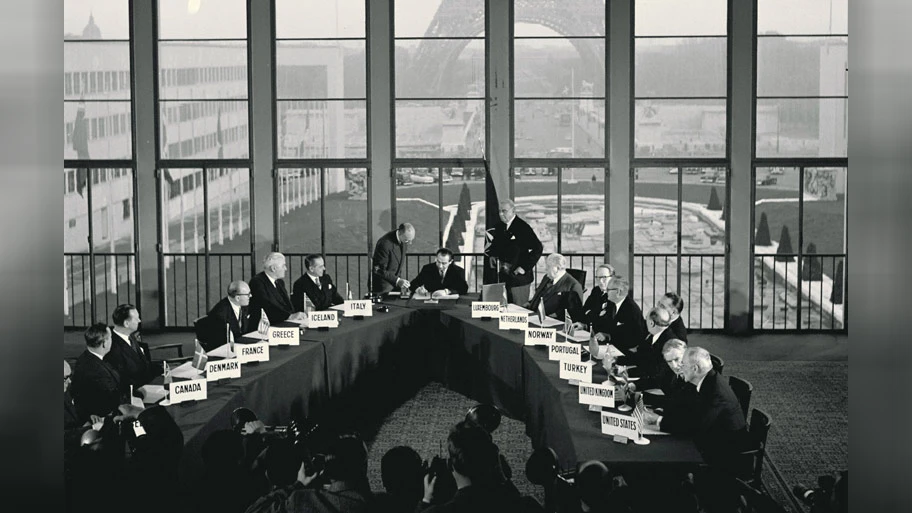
<point x="269" y="293"/>
<point x="558" y="291"/>
<point x="232" y="310"/>
<point x="315" y="284"/>
<point x="517" y="250"/>
<point x="441" y="278"/>
<point x="389" y="259"/>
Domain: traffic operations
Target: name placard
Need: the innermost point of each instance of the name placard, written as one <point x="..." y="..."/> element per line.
<point x="324" y="319"/>
<point x="221" y="369"/>
<point x="258" y="352"/>
<point x="513" y="321"/>
<point x="284" y="336"/>
<point x="360" y="307"/>
<point x="485" y="309"/>
<point x="580" y="371"/>
<point x="597" y="394"/>
<point x="618" y="424"/>
<point x="565" y="352"/>
<point x="540" y="336"/>
<point x="190" y="390"/>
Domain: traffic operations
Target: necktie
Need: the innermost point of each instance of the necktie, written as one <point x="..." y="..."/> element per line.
<point x="242" y="321"/>
<point x="442" y="274"/>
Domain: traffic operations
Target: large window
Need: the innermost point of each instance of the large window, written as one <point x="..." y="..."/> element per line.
<point x="799" y="242"/>
<point x="98" y="200"/>
<point x="681" y="170"/>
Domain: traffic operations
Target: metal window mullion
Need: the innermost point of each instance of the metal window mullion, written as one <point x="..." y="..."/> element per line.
<point x="206" y="242"/>
<point x="440" y="222"/>
<point x="91" y="240"/>
<point x="801" y="172"/>
<point x="680" y="225"/>
<point x="560" y="221"/>
<point x="322" y="210"/>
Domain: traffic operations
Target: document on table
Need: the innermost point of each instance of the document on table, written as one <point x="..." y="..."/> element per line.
<point x="151" y="394"/>
<point x="549" y="322"/>
<point x="185" y="371"/>
<point x="256" y="335"/>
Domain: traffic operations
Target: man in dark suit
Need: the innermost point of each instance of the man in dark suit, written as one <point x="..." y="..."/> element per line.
<point x="268" y="293"/>
<point x="672" y="302"/>
<point x="315" y="284"/>
<point x="598" y="310"/>
<point x="129" y="355"/>
<point x="73" y="426"/>
<point x="96" y="386"/>
<point x="630" y="327"/>
<point x="389" y="259"/>
<point x="716" y="420"/>
<point x="647" y="356"/>
<point x="517" y="250"/>
<point x="558" y="291"/>
<point x="233" y="311"/>
<point x="441" y="278"/>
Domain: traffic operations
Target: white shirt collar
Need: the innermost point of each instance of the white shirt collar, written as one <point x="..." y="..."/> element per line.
<point x="510" y="222"/>
<point x="271" y="280"/>
<point x="97" y="355"/>
<point x="236" y="308"/>
<point x="315" y="279"/>
<point x="657" y="335"/>
<point x="621" y="302"/>
<point x="699" y="383"/>
<point x="560" y="274"/>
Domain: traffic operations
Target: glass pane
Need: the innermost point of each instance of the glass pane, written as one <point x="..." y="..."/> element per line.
<point x="417" y="202"/>
<point x="559" y="128"/>
<point x="319" y="18"/>
<point x="112" y="210"/>
<point x="438" y="18"/>
<point x="96" y="19"/>
<point x="680" y="128"/>
<point x="703" y="205"/>
<point x="320" y="69"/>
<point x="322" y="129"/>
<point x="299" y="210"/>
<point x="655" y="233"/>
<point x="442" y="128"/>
<point x="204" y="70"/>
<point x="559" y="67"/>
<point x="775" y="247"/>
<point x="800" y="66"/>
<point x="458" y="69"/>
<point x="681" y="67"/>
<point x="229" y="210"/>
<point x="570" y="17"/>
<point x="703" y="290"/>
<point x="805" y="17"/>
<point x="582" y="210"/>
<point x="802" y="127"/>
<point x="96" y="71"/>
<point x="196" y="19"/>
<point x="211" y="129"/>
<point x="75" y="207"/>
<point x="182" y="211"/>
<point x="536" y="203"/>
<point x="97" y="130"/>
<point x="674" y="18"/>
<point x="345" y="205"/>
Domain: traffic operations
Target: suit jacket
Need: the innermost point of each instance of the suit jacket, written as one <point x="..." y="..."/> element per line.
<point x="96" y="387"/>
<point x="429" y="277"/>
<point x="599" y="312"/>
<point x="716" y="421"/>
<point x="322" y="298"/>
<point x="389" y="259"/>
<point x="214" y="326"/>
<point x="630" y="327"/>
<point x="271" y="298"/>
<point x="648" y="357"/>
<point x="566" y="294"/>
<point x="677" y="327"/>
<point x="131" y="359"/>
<point x="483" y="499"/>
<point x="517" y="246"/>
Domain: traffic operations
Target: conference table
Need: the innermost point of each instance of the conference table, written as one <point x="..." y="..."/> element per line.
<point x="348" y="375"/>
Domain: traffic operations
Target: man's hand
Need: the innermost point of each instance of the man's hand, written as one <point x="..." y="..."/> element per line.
<point x="421" y="290"/>
<point x="507" y="267"/>
<point x="254" y="426"/>
<point x="602" y="337"/>
<point x="297" y="316"/>
<point x="306" y="478"/>
<point x="519" y="271"/>
<point x="403" y="283"/>
<point x="429" y="488"/>
<point x="439" y="293"/>
<point x="127" y="412"/>
<point x="650" y="417"/>
<point x="579" y="326"/>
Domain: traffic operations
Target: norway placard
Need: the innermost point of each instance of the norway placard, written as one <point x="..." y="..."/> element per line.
<point x="222" y="369"/>
<point x="485" y="309"/>
<point x="513" y="321"/>
<point x="565" y="352"/>
<point x="597" y="394"/>
<point x="190" y="390"/>
<point x="580" y="371"/>
<point x="540" y="336"/>
<point x="362" y="308"/>
<point x="618" y="424"/>
<point x="284" y="336"/>
<point x="324" y="319"/>
<point x="258" y="352"/>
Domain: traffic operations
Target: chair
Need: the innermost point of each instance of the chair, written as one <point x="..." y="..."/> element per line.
<point x="743" y="391"/>
<point x="580" y="276"/>
<point x="718" y="363"/>
<point x="180" y="358"/>
<point x="752" y="458"/>
<point x="754" y="501"/>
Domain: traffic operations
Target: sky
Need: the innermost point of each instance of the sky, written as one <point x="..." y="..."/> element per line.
<point x="345" y="18"/>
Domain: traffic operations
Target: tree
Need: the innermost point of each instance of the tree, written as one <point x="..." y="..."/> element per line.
<point x="714" y="203"/>
<point x="762" y="238"/>
<point x="811" y="266"/>
<point x="836" y="296"/>
<point x="784" y="251"/>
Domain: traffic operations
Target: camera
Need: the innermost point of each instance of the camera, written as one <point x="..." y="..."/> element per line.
<point x="830" y="495"/>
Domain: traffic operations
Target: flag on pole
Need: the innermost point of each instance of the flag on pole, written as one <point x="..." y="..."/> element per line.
<point x="263" y="327"/>
<point x="166" y="372"/>
<point x="230" y="338"/>
<point x="199" y="356"/>
<point x="568" y="323"/>
<point x="348" y="291"/>
<point x="541" y="313"/>
<point x="638" y="413"/>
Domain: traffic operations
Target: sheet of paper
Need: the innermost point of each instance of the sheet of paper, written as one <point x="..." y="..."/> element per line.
<point x="448" y="296"/>
<point x="152" y="393"/>
<point x="340" y="308"/>
<point x="220" y="352"/>
<point x="614" y="352"/>
<point x="549" y="323"/>
<point x="517" y="309"/>
<point x="650" y="431"/>
<point x="577" y="336"/>
<point x="419" y="296"/>
<point x="185" y="371"/>
<point x="256" y="335"/>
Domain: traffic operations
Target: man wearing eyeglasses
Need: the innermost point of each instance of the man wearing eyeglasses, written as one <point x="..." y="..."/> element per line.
<point x="389" y="259"/>
<point x="441" y="278"/>
<point x="598" y="309"/>
<point x="233" y="311"/>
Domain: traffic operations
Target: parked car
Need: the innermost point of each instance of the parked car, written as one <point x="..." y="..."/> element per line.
<point x="423" y="178"/>
<point x="457" y="171"/>
<point x="446" y="178"/>
<point x="403" y="177"/>
<point x="768" y="180"/>
<point x="776" y="171"/>
<point x="708" y="178"/>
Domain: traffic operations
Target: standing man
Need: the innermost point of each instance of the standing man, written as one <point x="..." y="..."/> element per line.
<point x="317" y="285"/>
<point x="441" y="278"/>
<point x="517" y="250"/>
<point x="389" y="259"/>
<point x="128" y="354"/>
<point x="558" y="291"/>
<point x="233" y="310"/>
<point x="269" y="293"/>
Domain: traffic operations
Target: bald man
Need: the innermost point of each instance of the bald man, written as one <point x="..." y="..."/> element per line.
<point x="389" y="260"/>
<point x="232" y="310"/>
<point x="269" y="293"/>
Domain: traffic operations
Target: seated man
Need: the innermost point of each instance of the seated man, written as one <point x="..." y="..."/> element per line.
<point x="629" y="328"/>
<point x="96" y="386"/>
<point x="672" y="302"/>
<point x="441" y="278"/>
<point x="599" y="310"/>
<point x="317" y="285"/>
<point x="129" y="355"/>
<point x="232" y="310"/>
<point x="675" y="391"/>
<point x="558" y="291"/>
<point x="647" y="356"/>
<point x="73" y="427"/>
<point x="270" y="295"/>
